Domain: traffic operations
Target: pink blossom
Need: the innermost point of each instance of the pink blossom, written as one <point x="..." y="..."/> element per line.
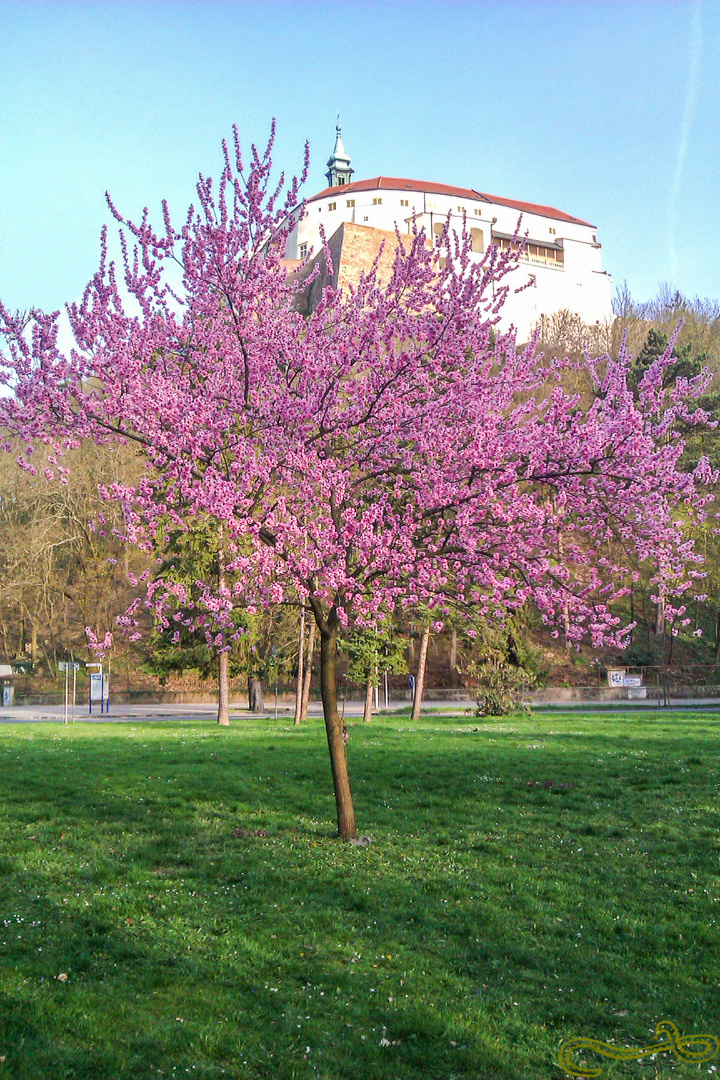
<point x="99" y="648"/>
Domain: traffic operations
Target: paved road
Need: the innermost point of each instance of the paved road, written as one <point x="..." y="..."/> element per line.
<point x="133" y="713"/>
<point x="139" y="713"/>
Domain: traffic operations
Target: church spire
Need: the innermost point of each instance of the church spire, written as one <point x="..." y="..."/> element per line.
<point x="338" y="166"/>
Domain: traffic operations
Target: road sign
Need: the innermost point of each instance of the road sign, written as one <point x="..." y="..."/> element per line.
<point x="67" y="665"/>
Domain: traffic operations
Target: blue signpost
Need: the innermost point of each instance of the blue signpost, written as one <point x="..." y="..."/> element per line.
<point x="99" y="688"/>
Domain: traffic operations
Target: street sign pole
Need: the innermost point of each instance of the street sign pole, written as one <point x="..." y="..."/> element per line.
<point x="67" y="666"/>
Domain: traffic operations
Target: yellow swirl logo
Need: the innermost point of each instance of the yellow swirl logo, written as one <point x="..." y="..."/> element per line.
<point x="686" y="1047"/>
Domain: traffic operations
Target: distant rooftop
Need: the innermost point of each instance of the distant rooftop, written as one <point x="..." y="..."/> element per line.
<point x="396" y="183"/>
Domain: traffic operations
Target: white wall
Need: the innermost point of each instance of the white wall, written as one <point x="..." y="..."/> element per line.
<point x="580" y="286"/>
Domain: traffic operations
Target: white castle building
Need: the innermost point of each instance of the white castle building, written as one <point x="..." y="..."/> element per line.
<point x="561" y="256"/>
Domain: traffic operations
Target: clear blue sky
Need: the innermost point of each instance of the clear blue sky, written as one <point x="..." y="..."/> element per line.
<point x="608" y="110"/>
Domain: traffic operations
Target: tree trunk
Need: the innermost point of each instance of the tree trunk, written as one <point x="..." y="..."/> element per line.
<point x="367" y="715"/>
<point x="34" y="642"/>
<point x="224" y="656"/>
<point x="453" y="657"/>
<point x="256" y="696"/>
<point x="660" y="617"/>
<point x="566" y="626"/>
<point x="717" y="638"/>
<point x="420" y="679"/>
<point x="308" y="672"/>
<point x="566" y="606"/>
<point x="224" y="689"/>
<point x="301" y="670"/>
<point x="347" y="829"/>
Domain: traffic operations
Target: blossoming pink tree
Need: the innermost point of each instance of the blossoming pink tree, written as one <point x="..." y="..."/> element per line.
<point x="390" y="448"/>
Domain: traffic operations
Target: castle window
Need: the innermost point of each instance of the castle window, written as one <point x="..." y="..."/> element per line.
<point x="478" y="243"/>
<point x="350" y="202"/>
<point x="535" y="253"/>
<point x="303" y="251"/>
<point x="404" y="202"/>
<point x="332" y="206"/>
<point x="365" y="218"/>
<point x="553" y="232"/>
<point x="461" y="209"/>
<point x="478" y="212"/>
<point x="377" y="202"/>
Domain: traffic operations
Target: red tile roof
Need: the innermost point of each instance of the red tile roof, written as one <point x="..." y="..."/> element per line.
<point x="535" y="208"/>
<point x="396" y="183"/>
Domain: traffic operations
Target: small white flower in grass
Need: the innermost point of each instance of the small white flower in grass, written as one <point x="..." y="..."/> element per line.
<point x="62" y="977"/>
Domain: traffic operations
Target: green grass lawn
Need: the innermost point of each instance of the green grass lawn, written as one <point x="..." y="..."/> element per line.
<point x="530" y="880"/>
